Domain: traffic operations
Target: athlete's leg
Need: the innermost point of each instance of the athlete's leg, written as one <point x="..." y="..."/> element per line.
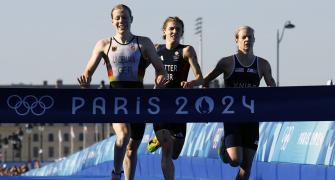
<point x="154" y="143"/>
<point x="122" y="138"/>
<point x="245" y="167"/>
<point x="250" y="138"/>
<point x="178" y="144"/>
<point x="179" y="131"/>
<point x="130" y="159"/>
<point x="235" y="156"/>
<point x="231" y="147"/>
<point x="166" y="140"/>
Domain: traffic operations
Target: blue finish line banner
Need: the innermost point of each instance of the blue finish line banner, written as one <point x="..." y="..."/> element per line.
<point x="304" y="103"/>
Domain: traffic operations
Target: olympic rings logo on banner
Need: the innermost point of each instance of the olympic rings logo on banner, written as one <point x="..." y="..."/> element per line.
<point x="30" y="103"/>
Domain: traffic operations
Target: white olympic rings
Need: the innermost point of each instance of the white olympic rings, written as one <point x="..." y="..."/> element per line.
<point x="30" y="103"/>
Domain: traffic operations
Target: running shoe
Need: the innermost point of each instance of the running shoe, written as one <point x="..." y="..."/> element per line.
<point x="222" y="152"/>
<point x="116" y="176"/>
<point x="153" y="145"/>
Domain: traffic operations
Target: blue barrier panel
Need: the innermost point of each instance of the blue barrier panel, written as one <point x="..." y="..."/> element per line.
<point x="313" y="172"/>
<point x="144" y="166"/>
<point x="186" y="167"/>
<point x="54" y="178"/>
<point x="297" y="142"/>
<point x="199" y="167"/>
<point x="304" y="103"/>
<point x="228" y="172"/>
<point x="288" y="171"/>
<point x="266" y="170"/>
<point x="330" y="173"/>
<point x="293" y="142"/>
<point x="213" y="167"/>
<point x="89" y="157"/>
<point x="178" y="168"/>
<point x="102" y="169"/>
<point x="156" y="162"/>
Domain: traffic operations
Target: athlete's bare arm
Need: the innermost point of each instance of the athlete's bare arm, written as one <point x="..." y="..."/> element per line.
<point x="267" y="73"/>
<point x="221" y="67"/>
<point x="97" y="54"/>
<point x="191" y="56"/>
<point x="156" y="46"/>
<point x="149" y="52"/>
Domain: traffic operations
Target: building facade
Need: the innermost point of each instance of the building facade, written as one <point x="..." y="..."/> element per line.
<point x="48" y="142"/>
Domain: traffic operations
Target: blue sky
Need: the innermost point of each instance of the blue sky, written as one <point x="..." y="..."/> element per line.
<point x="49" y="40"/>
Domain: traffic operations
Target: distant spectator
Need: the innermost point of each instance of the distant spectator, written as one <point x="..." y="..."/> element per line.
<point x="102" y="85"/>
<point x="13" y="171"/>
<point x="23" y="168"/>
<point x="37" y="164"/>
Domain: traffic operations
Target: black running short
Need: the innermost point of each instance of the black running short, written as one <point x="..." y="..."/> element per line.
<point x="137" y="130"/>
<point x="241" y="134"/>
<point x="178" y="129"/>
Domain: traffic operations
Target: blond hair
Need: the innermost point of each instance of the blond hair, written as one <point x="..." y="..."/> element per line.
<point x="243" y="27"/>
<point x="122" y="7"/>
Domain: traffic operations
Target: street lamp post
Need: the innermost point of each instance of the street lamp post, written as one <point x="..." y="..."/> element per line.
<point x="29" y="128"/>
<point x="41" y="129"/>
<point x="20" y="136"/>
<point x="198" y="30"/>
<point x="5" y="146"/>
<point x="14" y="140"/>
<point x="287" y="25"/>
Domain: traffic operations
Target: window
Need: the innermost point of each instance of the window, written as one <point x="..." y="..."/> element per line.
<point x="51" y="152"/>
<point x="97" y="136"/>
<point x="51" y="137"/>
<point x="35" y="137"/>
<point x="35" y="152"/>
<point x="81" y="137"/>
<point x="66" y="151"/>
<point x="18" y="154"/>
<point x="66" y="137"/>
